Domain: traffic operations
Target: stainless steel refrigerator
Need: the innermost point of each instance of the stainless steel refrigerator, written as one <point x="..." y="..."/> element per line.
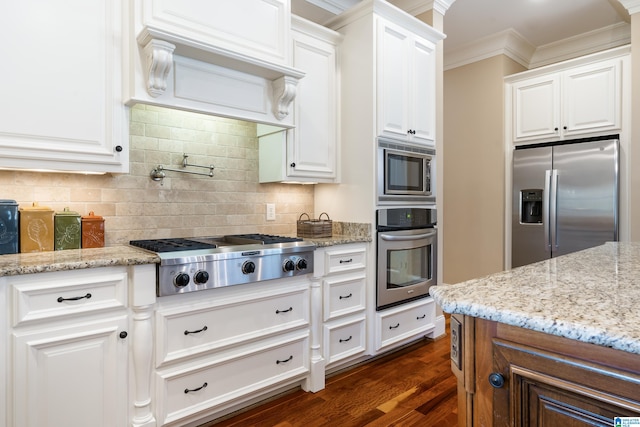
<point x="565" y="198"/>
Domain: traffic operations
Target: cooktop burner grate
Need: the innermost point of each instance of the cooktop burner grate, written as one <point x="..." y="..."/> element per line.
<point x="171" y="245"/>
<point x="183" y="244"/>
<point x="264" y="238"/>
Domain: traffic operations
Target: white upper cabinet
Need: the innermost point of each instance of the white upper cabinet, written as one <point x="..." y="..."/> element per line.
<point x="61" y="87"/>
<point x="406" y="85"/>
<point x="309" y="151"/>
<point x="568" y="103"/>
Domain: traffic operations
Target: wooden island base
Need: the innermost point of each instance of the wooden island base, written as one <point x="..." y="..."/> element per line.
<point x="510" y="376"/>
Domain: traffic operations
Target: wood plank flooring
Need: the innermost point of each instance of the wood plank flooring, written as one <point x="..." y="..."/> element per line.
<point x="411" y="387"/>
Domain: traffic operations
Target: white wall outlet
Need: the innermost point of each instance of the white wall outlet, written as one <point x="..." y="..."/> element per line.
<point x="271" y="211"/>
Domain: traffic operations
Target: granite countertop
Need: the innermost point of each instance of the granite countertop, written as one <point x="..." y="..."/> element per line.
<point x="343" y="233"/>
<point x="591" y="296"/>
<point x="73" y="259"/>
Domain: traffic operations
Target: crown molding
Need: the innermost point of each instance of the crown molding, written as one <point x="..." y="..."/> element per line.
<point x="632" y="6"/>
<point x="334" y="6"/>
<point x="511" y="44"/>
<point x="508" y="42"/>
<point x="593" y="41"/>
<point x="418" y="7"/>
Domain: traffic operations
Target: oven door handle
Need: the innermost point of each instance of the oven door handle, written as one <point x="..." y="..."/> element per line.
<point x="404" y="238"/>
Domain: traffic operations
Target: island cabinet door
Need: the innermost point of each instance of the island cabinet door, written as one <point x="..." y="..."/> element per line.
<point x="531" y="384"/>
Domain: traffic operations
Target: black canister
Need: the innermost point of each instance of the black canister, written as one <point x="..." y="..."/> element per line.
<point x="8" y="227"/>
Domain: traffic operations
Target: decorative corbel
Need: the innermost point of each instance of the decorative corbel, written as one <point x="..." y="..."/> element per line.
<point x="159" y="56"/>
<point x="284" y="91"/>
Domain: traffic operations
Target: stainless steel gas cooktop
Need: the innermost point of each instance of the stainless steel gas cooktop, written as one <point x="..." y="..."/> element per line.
<point x="200" y="263"/>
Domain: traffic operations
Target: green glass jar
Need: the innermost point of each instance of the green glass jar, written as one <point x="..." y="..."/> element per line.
<point x="67" y="230"/>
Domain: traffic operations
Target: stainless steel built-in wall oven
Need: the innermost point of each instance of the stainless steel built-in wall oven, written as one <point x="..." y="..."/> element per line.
<point x="406" y="255"/>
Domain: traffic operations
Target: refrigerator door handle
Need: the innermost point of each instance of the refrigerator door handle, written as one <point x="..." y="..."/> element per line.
<point x="545" y="209"/>
<point x="553" y="210"/>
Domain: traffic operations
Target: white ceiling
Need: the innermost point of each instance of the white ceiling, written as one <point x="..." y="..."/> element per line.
<point x="539" y="22"/>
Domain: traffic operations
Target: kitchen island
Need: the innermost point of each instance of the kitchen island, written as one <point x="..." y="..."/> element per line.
<point x="552" y="343"/>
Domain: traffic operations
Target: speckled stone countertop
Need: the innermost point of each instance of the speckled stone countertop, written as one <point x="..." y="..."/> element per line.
<point x="73" y="259"/>
<point x="591" y="296"/>
<point x="76" y="259"/>
<point x="344" y="233"/>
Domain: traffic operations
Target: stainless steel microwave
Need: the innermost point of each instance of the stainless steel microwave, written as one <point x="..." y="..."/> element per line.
<point x="405" y="173"/>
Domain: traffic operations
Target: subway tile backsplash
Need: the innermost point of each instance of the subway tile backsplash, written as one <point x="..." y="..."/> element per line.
<point x="136" y="207"/>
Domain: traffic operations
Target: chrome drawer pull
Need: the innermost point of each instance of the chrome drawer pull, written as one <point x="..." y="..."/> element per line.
<point x="196" y="332"/>
<point x="346" y="260"/>
<point x="284" y="361"/>
<point x="348" y="296"/>
<point x="395" y="327"/>
<point x="348" y="339"/>
<point x="284" y="311"/>
<point x="186" y="390"/>
<point x="87" y="296"/>
<point x="421" y="317"/>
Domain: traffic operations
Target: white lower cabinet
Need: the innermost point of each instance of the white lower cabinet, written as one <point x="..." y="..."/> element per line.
<point x="68" y="348"/>
<point x="217" y="381"/>
<point x="221" y="349"/>
<point x="74" y="376"/>
<point x="344" y="293"/>
<point x="396" y="326"/>
<point x="344" y="338"/>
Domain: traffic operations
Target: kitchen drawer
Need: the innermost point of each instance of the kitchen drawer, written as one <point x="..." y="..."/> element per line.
<point x="56" y="295"/>
<point x="341" y="260"/>
<point x="188" y="330"/>
<point x="185" y="392"/>
<point x="344" y="339"/>
<point x="404" y="322"/>
<point x="343" y="295"/>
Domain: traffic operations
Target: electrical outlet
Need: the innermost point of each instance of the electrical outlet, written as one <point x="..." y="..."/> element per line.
<point x="271" y="211"/>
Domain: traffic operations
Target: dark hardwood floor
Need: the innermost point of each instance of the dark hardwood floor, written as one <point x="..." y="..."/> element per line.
<point x="411" y="387"/>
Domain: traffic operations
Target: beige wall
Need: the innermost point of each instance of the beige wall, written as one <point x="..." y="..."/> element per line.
<point x="474" y="156"/>
<point x="136" y="207"/>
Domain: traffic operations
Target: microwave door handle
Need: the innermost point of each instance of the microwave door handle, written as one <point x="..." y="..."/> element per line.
<point x="427" y="174"/>
<point x="404" y="238"/>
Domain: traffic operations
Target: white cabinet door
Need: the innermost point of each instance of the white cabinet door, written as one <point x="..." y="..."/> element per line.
<point x="536" y="104"/>
<point x="592" y="98"/>
<point x="314" y="140"/>
<point x="73" y="377"/>
<point x="406" y="85"/>
<point x="393" y="78"/>
<point x="568" y="103"/>
<point x="423" y="93"/>
<point x="309" y="151"/>
<point x="61" y="87"/>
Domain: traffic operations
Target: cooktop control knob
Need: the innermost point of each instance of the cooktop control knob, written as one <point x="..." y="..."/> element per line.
<point x="248" y="267"/>
<point x="181" y="280"/>
<point x="302" y="264"/>
<point x="201" y="277"/>
<point x="288" y="266"/>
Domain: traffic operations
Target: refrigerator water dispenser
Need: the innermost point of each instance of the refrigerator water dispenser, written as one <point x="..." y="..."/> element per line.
<point x="531" y="206"/>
